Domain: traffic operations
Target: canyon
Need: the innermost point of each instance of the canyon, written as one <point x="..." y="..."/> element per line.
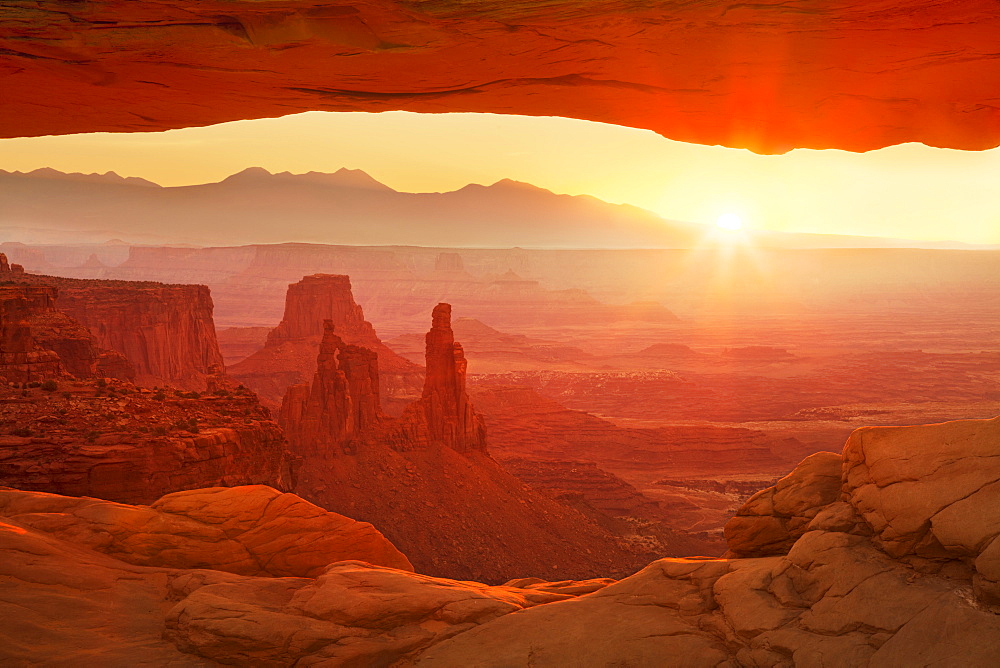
<point x="528" y="487"/>
<point x="882" y="555"/>
<point x="790" y="401"/>
<point x="426" y="476"/>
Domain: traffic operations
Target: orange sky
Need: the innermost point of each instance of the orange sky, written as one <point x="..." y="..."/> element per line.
<point x="909" y="191"/>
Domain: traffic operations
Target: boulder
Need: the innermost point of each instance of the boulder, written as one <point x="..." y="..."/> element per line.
<point x="251" y="530"/>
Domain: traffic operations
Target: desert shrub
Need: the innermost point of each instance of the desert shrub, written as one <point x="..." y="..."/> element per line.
<point x="21" y="431"/>
<point x="102" y="382"/>
<point x="50" y="386"/>
<point x="160" y="430"/>
<point x="159" y="396"/>
<point x="91" y="436"/>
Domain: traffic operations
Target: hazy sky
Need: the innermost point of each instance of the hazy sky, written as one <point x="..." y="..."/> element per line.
<point x="909" y="191"/>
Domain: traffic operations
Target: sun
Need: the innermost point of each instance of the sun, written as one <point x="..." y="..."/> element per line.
<point x="729" y="221"/>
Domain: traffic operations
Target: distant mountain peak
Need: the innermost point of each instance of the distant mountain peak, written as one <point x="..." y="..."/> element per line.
<point x="342" y="178"/>
<point x="506" y="184"/>
<point x="249" y="173"/>
<point x="106" y="177"/>
<point x="520" y="185"/>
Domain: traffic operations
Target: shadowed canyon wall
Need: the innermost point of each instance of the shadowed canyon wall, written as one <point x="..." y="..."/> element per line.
<point x="759" y="76"/>
<point x="34" y="329"/>
<point x="165" y="332"/>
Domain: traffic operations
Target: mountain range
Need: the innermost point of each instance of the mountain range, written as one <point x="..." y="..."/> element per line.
<point x="345" y="207"/>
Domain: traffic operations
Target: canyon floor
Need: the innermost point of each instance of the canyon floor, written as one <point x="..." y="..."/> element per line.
<point x="547" y="461"/>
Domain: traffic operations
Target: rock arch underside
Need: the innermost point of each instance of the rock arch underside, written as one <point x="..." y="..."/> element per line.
<point x="769" y="76"/>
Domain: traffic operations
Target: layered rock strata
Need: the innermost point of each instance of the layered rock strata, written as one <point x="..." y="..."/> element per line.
<point x="165" y="333"/>
<point x="22" y="359"/>
<point x="34" y="309"/>
<point x="114" y="441"/>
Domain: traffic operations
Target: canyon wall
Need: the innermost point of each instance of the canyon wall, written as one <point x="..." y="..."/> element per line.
<point x="165" y="332"/>
<point x="34" y="329"/>
<point x="22" y="358"/>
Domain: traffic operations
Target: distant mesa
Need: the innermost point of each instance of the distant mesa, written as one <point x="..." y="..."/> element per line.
<point x="668" y="350"/>
<point x="758" y="353"/>
<point x="449" y="262"/>
<point x="289" y="353"/>
<point x="93" y="262"/>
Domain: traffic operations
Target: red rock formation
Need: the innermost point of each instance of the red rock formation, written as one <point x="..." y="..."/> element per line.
<point x="901" y="570"/>
<point x="118" y="442"/>
<point x="759" y="76"/>
<point x="425" y="477"/>
<point x="76" y="347"/>
<point x="340" y="410"/>
<point x="155" y="333"/>
<point x="165" y="331"/>
<point x="342" y="404"/>
<point x="450" y="417"/>
<point x="316" y="299"/>
<point x="22" y="359"/>
<point x="289" y="354"/>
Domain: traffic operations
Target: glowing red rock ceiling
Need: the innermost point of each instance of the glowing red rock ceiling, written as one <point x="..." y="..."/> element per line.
<point x="767" y="75"/>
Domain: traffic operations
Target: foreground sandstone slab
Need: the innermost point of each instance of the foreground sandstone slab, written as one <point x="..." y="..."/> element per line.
<point x="89" y="582"/>
<point x="252" y="530"/>
<point x="884" y="556"/>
